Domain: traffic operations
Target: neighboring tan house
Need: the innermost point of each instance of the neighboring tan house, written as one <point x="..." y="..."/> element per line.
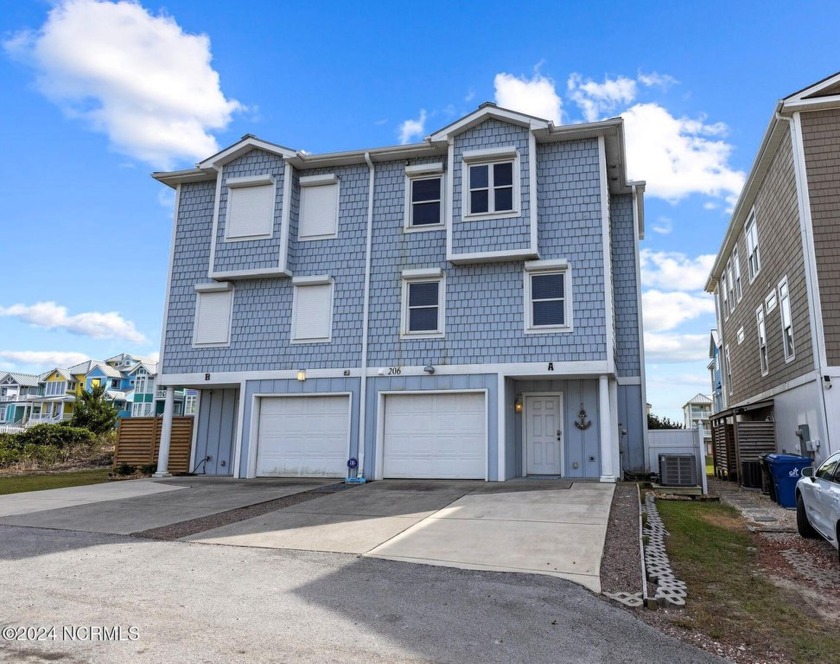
<point x="776" y="279"/>
<point x="464" y="307"/>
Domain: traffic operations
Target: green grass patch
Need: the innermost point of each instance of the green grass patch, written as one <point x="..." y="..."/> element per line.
<point x="710" y="465"/>
<point x="730" y="598"/>
<point x="21" y="483"/>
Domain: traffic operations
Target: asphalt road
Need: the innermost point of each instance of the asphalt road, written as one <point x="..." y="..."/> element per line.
<point x="178" y="602"/>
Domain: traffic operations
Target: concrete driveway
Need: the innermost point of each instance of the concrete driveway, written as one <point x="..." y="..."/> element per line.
<point x="132" y="506"/>
<point x="552" y="527"/>
<point x="548" y="527"/>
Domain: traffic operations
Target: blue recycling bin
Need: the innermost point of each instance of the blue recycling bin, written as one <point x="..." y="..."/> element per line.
<point x="785" y="471"/>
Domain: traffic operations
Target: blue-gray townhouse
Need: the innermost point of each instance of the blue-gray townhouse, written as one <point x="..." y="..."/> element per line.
<point x="465" y="307"/>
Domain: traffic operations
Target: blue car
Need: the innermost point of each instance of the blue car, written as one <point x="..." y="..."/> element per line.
<point x="818" y="501"/>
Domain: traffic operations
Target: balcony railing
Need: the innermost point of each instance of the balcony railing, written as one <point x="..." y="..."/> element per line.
<point x="42" y="418"/>
<point x="19" y="397"/>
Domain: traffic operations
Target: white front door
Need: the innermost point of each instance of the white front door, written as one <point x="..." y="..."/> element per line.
<point x="544" y="434"/>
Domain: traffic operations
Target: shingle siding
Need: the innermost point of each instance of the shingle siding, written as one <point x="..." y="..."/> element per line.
<point x="821" y="139"/>
<point x="781" y="254"/>
<point x="250" y="254"/>
<point x="625" y="287"/>
<point x="505" y="234"/>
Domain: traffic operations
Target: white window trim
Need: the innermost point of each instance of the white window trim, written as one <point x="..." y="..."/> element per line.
<point x="751" y="219"/>
<point x="788" y="357"/>
<point x="424" y="172"/>
<point x="727" y="369"/>
<point x="427" y="275"/>
<point x="327" y="179"/>
<point x="770" y="301"/>
<point x="303" y="282"/>
<point x="740" y="335"/>
<point x="724" y="290"/>
<point x="761" y="322"/>
<point x="241" y="183"/>
<point x="548" y="267"/>
<point x="489" y="157"/>
<point x="213" y="288"/>
<point x="736" y="262"/>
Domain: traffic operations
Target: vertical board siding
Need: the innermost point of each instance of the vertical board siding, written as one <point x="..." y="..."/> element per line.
<point x="216" y="431"/>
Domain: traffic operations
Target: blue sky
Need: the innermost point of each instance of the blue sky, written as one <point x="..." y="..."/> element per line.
<point x="96" y="95"/>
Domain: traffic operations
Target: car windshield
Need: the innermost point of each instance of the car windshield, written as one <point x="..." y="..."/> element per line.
<point x="828" y="470"/>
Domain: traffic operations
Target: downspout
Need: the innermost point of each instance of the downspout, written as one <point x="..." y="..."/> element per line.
<point x="365" y="316"/>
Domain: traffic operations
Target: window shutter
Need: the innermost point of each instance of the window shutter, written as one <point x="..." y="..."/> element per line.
<point x="312" y="312"/>
<point x="318" y="211"/>
<point x="250" y="211"/>
<point x="212" y="323"/>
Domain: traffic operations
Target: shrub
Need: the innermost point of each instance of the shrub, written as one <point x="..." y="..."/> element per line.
<point x="54" y="435"/>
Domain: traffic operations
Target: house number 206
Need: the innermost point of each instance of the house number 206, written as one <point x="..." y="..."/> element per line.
<point x="394" y="371"/>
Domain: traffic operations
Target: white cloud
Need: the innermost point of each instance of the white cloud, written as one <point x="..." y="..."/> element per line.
<point x="109" y="325"/>
<point x="597" y="99"/>
<point x="131" y="75"/>
<point x="411" y="130"/>
<point x="657" y="80"/>
<point x="663" y="226"/>
<point x="536" y="96"/>
<point x="670" y="348"/>
<point x="666" y="310"/>
<point x="42" y="360"/>
<point x="678" y="156"/>
<point x="674" y="270"/>
<point x="154" y="356"/>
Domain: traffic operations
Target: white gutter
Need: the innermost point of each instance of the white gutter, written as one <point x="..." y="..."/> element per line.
<point x="365" y="314"/>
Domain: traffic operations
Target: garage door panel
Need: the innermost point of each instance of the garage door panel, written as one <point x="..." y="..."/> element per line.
<point x="440" y="435"/>
<point x="303" y="436"/>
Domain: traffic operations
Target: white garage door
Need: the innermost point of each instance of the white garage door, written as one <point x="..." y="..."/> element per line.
<point x="437" y="436"/>
<point x="303" y="436"/>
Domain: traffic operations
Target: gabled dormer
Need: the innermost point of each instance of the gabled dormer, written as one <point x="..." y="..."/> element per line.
<point x="251" y="210"/>
<point x="491" y="183"/>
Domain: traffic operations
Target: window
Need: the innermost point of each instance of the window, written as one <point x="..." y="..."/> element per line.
<point x="318" y="207"/>
<point x="115" y="383"/>
<point x="730" y="274"/>
<point x="787" y="322"/>
<point x="190" y="402"/>
<point x="753" y="258"/>
<point x="728" y="367"/>
<point x="736" y="264"/>
<point x="55" y="388"/>
<point x="740" y="335"/>
<point x="491" y="182"/>
<point x="142" y="409"/>
<point x="423" y="196"/>
<point x="546" y="296"/>
<point x="423" y="305"/>
<point x="725" y="294"/>
<point x="213" y="308"/>
<point x="95" y="382"/>
<point x="250" y="208"/>
<point x="770" y="301"/>
<point x="312" y="309"/>
<point x="762" y="340"/>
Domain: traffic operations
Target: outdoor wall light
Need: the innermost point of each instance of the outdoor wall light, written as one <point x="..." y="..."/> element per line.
<point x="301" y="375"/>
<point x="429" y="369"/>
<point x="517" y="405"/>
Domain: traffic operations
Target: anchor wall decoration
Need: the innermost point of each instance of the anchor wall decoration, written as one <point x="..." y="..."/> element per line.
<point x="581" y="422"/>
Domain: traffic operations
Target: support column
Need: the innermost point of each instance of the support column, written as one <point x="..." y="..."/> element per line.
<point x="615" y="441"/>
<point x="605" y="425"/>
<point x="166" y="434"/>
